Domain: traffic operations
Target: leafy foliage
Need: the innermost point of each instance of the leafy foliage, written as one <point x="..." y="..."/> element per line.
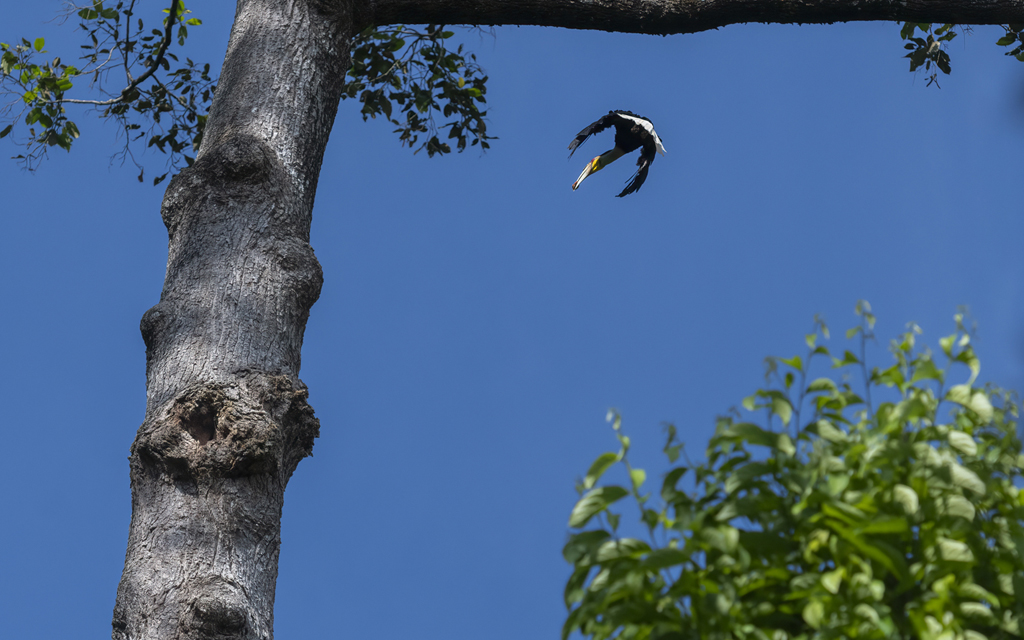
<point x="1014" y="38"/>
<point x="415" y="70"/>
<point x="833" y="518"/>
<point x="927" y="51"/>
<point x="44" y="86"/>
<point x="164" y="101"/>
<point x="167" y="109"/>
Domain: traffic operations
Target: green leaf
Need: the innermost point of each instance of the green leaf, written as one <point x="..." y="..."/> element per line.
<point x="967" y="357"/>
<point x="785" y="445"/>
<point x="886" y="524"/>
<point x="723" y="537"/>
<point x="883" y="553"/>
<point x="637" y="476"/>
<point x="668" y="486"/>
<point x="906" y="497"/>
<point x="848" y="359"/>
<point x="624" y="548"/>
<point x="739" y="478"/>
<point x="958" y="506"/>
<point x="748" y="432"/>
<point x="814" y="613"/>
<point x="974" y="399"/>
<point x="963" y="477"/>
<point x="597" y="469"/>
<point x="978" y="612"/>
<point x="963" y="442"/>
<point x="782" y="408"/>
<point x="954" y="551"/>
<point x="947" y="344"/>
<point x="38" y="44"/>
<point x="582" y="544"/>
<point x="844" y="512"/>
<point x="822" y="384"/>
<point x="891" y="377"/>
<point x="796" y="362"/>
<point x="662" y="558"/>
<point x="6" y="131"/>
<point x="832" y="579"/>
<point x="977" y="592"/>
<point x="926" y="370"/>
<point x="594" y="502"/>
<point x="825" y="430"/>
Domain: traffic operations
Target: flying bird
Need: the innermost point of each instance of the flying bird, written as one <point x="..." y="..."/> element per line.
<point x="631" y="132"/>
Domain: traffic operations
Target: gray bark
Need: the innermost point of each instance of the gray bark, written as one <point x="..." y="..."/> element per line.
<point x="227" y="420"/>
<point x="663" y="17"/>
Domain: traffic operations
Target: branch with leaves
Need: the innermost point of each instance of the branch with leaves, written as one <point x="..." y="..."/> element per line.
<point x="165" y="103"/>
<point x="414" y="73"/>
<point x="926" y="50"/>
<point x="902" y="521"/>
<point x="410" y="76"/>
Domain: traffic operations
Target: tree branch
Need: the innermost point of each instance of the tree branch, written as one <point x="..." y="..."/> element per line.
<point x="175" y="9"/>
<point x="663" y="17"/>
<point x="150" y="70"/>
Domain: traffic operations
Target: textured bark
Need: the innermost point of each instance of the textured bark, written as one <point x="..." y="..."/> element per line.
<point x="226" y="420"/>
<point x="663" y="17"/>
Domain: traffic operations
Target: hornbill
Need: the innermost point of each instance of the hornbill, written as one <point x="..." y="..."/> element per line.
<point x="631" y="132"/>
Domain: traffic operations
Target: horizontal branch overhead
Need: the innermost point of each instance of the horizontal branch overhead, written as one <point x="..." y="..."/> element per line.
<point x="663" y="17"/>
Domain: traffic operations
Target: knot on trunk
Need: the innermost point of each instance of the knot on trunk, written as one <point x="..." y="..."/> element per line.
<point x="257" y="424"/>
<point x="218" y="612"/>
<point x="239" y="168"/>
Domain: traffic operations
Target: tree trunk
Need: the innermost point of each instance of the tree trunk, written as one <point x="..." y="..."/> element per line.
<point x="226" y="418"/>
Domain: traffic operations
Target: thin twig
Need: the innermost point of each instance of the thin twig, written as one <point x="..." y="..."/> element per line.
<point x="164" y="44"/>
<point x="160" y="52"/>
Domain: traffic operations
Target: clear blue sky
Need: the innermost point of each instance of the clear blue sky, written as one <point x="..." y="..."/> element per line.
<point x="478" y="317"/>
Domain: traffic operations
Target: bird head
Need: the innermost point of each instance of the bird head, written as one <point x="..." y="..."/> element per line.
<point x="593" y="166"/>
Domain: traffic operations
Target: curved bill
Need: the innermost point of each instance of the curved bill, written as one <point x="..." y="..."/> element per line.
<point x="589" y="169"/>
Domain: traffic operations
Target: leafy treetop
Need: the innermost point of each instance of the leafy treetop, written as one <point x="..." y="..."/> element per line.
<point x="831" y="518"/>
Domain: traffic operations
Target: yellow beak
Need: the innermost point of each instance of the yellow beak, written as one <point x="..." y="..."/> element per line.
<point x="592" y="167"/>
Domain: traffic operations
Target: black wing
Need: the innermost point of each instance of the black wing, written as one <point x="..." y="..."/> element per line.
<point x="591" y="129"/>
<point x="645" y="161"/>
